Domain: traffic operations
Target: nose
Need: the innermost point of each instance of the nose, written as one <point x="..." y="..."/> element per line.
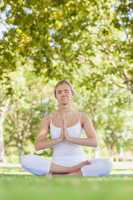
<point x="64" y="94"/>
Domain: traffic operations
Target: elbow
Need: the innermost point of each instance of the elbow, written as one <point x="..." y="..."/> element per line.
<point x="95" y="143"/>
<point x="38" y="147"/>
<point x="92" y="142"/>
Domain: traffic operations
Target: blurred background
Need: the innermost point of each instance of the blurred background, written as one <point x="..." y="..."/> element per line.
<point x="90" y="44"/>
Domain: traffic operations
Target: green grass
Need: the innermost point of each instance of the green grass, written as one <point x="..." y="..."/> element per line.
<point x="20" y="171"/>
<point x="13" y="187"/>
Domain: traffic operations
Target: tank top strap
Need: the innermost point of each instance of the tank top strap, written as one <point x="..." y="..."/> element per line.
<point x="50" y="121"/>
<point x="50" y="118"/>
<point x="79" y="118"/>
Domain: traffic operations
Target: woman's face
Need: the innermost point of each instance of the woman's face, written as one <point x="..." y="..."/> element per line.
<point x="63" y="94"/>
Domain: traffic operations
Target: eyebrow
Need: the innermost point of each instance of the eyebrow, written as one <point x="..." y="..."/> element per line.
<point x="62" y="90"/>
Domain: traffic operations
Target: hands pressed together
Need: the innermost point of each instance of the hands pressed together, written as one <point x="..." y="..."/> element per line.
<point x="64" y="135"/>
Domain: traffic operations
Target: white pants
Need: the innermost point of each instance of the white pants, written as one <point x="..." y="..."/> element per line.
<point x="35" y="164"/>
<point x="41" y="166"/>
<point x="98" y="167"/>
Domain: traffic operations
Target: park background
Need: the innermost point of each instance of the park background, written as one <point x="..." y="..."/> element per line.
<point x="90" y="44"/>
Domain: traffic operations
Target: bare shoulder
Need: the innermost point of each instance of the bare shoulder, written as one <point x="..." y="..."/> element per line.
<point x="84" y="117"/>
<point x="50" y="116"/>
<point x="46" y="120"/>
<point x="87" y="124"/>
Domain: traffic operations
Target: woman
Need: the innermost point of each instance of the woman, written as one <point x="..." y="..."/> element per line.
<point x="65" y="126"/>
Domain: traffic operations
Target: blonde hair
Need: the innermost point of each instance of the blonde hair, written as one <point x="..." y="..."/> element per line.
<point x="62" y="82"/>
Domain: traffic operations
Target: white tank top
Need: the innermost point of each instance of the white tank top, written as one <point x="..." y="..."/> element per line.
<point x="66" y="153"/>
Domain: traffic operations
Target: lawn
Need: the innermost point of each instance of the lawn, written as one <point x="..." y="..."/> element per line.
<point x="18" y="187"/>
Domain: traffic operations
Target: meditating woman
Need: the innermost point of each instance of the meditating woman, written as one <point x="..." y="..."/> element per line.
<point x="66" y="126"/>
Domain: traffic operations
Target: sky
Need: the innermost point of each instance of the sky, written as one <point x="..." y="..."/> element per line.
<point x="3" y="25"/>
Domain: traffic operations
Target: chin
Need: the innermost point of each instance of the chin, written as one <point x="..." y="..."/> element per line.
<point x="64" y="103"/>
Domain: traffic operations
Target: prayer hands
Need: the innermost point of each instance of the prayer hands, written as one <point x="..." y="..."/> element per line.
<point x="64" y="132"/>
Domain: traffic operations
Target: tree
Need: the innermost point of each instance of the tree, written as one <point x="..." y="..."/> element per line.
<point x="86" y="42"/>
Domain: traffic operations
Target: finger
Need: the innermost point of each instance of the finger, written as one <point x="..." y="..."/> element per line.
<point x="64" y="122"/>
<point x="87" y="162"/>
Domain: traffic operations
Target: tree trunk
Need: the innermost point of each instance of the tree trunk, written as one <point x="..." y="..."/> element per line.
<point x="3" y="112"/>
<point x="2" y="151"/>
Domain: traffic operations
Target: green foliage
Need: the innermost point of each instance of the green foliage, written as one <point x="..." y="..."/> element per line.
<point x="86" y="42"/>
<point x="27" y="108"/>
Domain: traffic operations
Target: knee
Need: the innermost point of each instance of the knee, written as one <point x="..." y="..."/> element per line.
<point x="25" y="160"/>
<point x="108" y="164"/>
<point x="98" y="167"/>
<point x="35" y="164"/>
<point x="105" y="166"/>
<point x="28" y="163"/>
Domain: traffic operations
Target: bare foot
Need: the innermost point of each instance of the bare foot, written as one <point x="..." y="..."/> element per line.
<point x="57" y="169"/>
<point x="78" y="173"/>
<point x="86" y="162"/>
<point x="77" y="168"/>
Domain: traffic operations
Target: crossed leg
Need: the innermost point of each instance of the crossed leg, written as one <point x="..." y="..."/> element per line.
<point x="56" y="169"/>
<point x="40" y="166"/>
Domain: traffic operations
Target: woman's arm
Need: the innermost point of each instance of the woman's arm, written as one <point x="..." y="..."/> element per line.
<point x="90" y="133"/>
<point x="42" y="142"/>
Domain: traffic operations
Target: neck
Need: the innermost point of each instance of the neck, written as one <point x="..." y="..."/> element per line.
<point x="65" y="108"/>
